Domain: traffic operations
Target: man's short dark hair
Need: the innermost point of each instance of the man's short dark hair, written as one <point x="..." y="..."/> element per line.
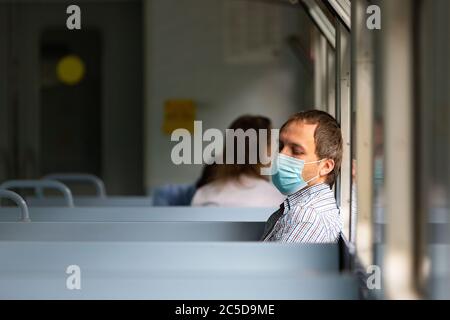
<point x="327" y="137"/>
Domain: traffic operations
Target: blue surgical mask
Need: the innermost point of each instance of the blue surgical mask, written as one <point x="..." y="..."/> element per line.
<point x="287" y="175"/>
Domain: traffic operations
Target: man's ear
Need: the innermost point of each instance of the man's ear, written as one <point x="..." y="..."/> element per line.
<point x="327" y="167"/>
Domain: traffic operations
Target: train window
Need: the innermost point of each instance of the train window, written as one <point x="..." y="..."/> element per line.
<point x="332" y="94"/>
<point x="320" y="48"/>
<point x="324" y="73"/>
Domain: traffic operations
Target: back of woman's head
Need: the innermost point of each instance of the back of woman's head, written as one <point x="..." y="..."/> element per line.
<point x="246" y="122"/>
<point x="242" y="153"/>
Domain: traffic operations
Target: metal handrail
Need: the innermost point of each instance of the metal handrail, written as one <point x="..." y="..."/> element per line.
<point x="8" y="194"/>
<point x="38" y="185"/>
<point x="80" y="177"/>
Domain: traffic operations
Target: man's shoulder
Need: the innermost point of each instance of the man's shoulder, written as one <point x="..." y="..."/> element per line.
<point x="312" y="210"/>
<point x="299" y="213"/>
<point x="324" y="200"/>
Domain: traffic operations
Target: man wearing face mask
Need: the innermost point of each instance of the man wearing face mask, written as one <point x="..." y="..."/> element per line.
<point x="305" y="170"/>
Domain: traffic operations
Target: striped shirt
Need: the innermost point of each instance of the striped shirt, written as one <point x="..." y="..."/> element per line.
<point x="310" y="215"/>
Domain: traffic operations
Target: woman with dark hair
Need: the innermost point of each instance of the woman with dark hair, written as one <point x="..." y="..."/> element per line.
<point x="239" y="184"/>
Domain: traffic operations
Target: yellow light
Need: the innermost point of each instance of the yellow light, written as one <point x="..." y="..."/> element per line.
<point x="70" y="70"/>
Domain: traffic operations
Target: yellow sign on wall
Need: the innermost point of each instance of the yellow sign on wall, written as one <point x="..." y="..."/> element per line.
<point x="70" y="70"/>
<point x="179" y="114"/>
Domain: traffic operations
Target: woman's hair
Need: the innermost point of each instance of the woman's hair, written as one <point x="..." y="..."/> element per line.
<point x="250" y="167"/>
<point x="207" y="176"/>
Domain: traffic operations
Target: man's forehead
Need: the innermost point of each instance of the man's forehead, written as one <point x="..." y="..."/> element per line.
<point x="299" y="132"/>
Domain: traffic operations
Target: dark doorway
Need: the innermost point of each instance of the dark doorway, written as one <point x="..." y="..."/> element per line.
<point x="70" y="108"/>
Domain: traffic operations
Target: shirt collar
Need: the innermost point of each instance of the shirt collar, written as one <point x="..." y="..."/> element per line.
<point x="304" y="194"/>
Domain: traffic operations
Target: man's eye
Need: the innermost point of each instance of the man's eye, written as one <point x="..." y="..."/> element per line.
<point x="297" y="152"/>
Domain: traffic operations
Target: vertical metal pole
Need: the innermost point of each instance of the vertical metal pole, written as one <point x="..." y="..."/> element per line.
<point x="343" y="115"/>
<point x="362" y="101"/>
<point x="397" y="92"/>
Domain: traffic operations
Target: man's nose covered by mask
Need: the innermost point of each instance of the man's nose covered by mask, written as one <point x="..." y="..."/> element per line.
<point x="287" y="175"/>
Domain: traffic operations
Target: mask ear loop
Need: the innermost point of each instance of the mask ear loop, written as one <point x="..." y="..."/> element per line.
<point x="314" y="161"/>
<point x="314" y="178"/>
